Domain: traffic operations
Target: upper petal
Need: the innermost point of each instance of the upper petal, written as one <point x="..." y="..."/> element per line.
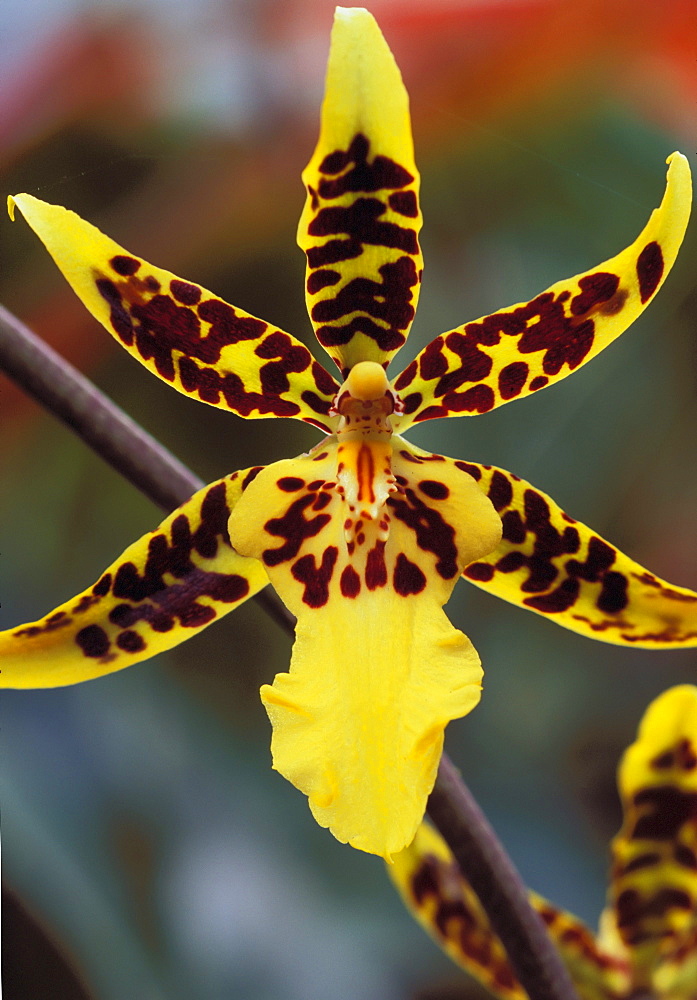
<point x="360" y="225"/>
<point x="377" y="669"/>
<point x="653" y="893"/>
<point x="517" y="351"/>
<point x="164" y="588"/>
<point x="196" y="342"/>
<point x="552" y="564"/>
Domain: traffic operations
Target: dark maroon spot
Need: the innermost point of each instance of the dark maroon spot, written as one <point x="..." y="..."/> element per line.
<point x="511" y="562"/>
<point x="500" y="491"/>
<point x="412" y="402"/>
<point x="130" y="642"/>
<point x="294" y="529"/>
<point x="641" y="861"/>
<point x="251" y="476"/>
<point x="407" y="376"/>
<point x="321" y="279"/>
<point x="472" y="470"/>
<point x="478" y="399"/>
<point x="433" y="533"/>
<point x="350" y="582"/>
<point x="375" y="568"/>
<point x="290" y="484"/>
<point x="649" y="269"/>
<point x="595" y="289"/>
<point x="125" y="266"/>
<point x="93" y="641"/>
<point x="185" y="292"/>
<point x="512" y="379"/>
<point x="362" y="175"/>
<point x="405" y="203"/>
<point x="316" y="578"/>
<point x="613" y="595"/>
<point x="556" y="601"/>
<point x="432" y="360"/>
<point x="102" y="585"/>
<point x="434" y="489"/>
<point x="408" y="578"/>
<point x="514" y="530"/>
<point x="669" y="809"/>
<point x="685" y="856"/>
<point x="539" y="382"/>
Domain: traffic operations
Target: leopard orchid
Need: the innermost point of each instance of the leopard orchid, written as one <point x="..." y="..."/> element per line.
<point x="647" y="942"/>
<point x="365" y="536"/>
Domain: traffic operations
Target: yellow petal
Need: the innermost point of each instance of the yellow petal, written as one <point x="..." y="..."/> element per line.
<point x="185" y="335"/>
<point x="524" y="348"/>
<point x="555" y="566"/>
<point x="165" y="587"/>
<point x="653" y="893"/>
<point x="360" y="225"/>
<point x="440" y="898"/>
<point x="377" y="669"/>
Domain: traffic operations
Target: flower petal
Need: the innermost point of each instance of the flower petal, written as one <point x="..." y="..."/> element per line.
<point x="377" y="669"/>
<point x="188" y="337"/>
<point x="517" y="351"/>
<point x="653" y="894"/>
<point x="552" y="564"/>
<point x="434" y="890"/>
<point x="360" y="225"/>
<point x="163" y="589"/>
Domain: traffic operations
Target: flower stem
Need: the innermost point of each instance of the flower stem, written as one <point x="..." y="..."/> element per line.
<point x="497" y="883"/>
<point x="145" y="463"/>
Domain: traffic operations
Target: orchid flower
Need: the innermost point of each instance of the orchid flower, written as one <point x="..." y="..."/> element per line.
<point x="365" y="536"/>
<point x="647" y="942"/>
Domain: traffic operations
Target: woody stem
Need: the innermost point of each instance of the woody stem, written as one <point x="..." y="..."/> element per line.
<point x="145" y="463"/>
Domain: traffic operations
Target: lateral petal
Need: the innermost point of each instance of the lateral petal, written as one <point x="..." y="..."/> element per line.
<point x="185" y="335"/>
<point x="555" y="566"/>
<point x="652" y="902"/>
<point x="442" y="901"/>
<point x="377" y="669"/>
<point x="165" y="587"/>
<point x="359" y="228"/>
<point x="519" y="350"/>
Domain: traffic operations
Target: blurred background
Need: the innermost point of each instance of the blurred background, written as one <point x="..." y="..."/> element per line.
<point x="149" y="850"/>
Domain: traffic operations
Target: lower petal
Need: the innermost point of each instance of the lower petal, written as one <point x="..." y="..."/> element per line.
<point x="377" y="670"/>
<point x="555" y="566"/>
<point x="165" y="587"/>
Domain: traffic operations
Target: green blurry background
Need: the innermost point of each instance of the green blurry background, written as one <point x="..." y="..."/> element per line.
<point x="150" y="845"/>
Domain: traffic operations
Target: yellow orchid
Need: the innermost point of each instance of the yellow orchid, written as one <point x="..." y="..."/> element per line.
<point x="647" y="942"/>
<point x="365" y="536"/>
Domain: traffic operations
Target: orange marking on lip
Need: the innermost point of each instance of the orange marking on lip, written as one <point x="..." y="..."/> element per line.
<point x="365" y="472"/>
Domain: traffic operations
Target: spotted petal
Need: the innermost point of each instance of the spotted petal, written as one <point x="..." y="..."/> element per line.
<point x="653" y="894"/>
<point x="360" y="225"/>
<point x="433" y="889"/>
<point x="517" y="351"/>
<point x="192" y="340"/>
<point x="554" y="565"/>
<point x="377" y="669"/>
<point x="163" y="589"/>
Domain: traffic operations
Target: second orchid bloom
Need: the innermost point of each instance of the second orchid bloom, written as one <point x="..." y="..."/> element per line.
<point x="365" y="536"/>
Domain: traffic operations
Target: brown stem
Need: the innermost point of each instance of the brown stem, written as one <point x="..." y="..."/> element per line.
<point x="495" y="880"/>
<point x="150" y="467"/>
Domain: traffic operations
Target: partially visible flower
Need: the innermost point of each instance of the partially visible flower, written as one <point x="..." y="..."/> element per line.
<point x="365" y="536"/>
<point x="647" y="941"/>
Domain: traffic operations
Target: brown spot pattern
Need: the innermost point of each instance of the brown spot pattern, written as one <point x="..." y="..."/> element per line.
<point x="192" y="340"/>
<point x="360" y="202"/>
<point x="552" y="564"/>
<point x="469" y="369"/>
